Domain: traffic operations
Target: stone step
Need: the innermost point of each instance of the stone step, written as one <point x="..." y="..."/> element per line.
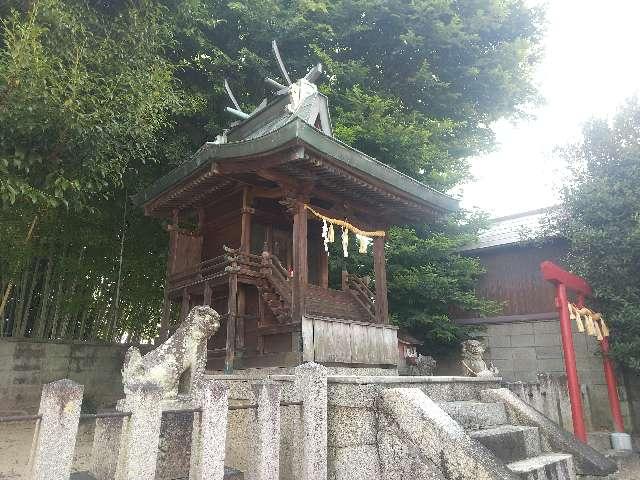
<point x="510" y="443"/>
<point x="229" y="474"/>
<point x="475" y="415"/>
<point x="550" y="466"/>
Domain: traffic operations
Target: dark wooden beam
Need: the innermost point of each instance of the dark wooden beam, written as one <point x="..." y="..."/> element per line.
<point x="254" y="163"/>
<point x="285" y="181"/>
<point x="262" y="192"/>
<point x="527" y="317"/>
<point x="379" y="266"/>
<point x="247" y="211"/>
<point x="300" y="267"/>
<point x="231" y="323"/>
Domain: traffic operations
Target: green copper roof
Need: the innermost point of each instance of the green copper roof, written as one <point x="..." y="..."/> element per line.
<point x="298" y="131"/>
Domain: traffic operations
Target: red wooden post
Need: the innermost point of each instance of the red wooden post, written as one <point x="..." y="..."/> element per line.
<point x="577" y="413"/>
<point x="612" y="386"/>
<point x="563" y="280"/>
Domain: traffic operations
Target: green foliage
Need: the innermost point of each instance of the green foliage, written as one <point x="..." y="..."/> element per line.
<point x="600" y="217"/>
<point x="101" y="98"/>
<point x="82" y="96"/>
<point x="414" y="84"/>
<point x="427" y="278"/>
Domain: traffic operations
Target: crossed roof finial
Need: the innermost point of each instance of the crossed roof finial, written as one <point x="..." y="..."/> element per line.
<point x="311" y="77"/>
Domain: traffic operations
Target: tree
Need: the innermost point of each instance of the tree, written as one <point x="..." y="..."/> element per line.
<point x="83" y="98"/>
<point x="427" y="278"/>
<point x="415" y="84"/>
<point x="600" y="218"/>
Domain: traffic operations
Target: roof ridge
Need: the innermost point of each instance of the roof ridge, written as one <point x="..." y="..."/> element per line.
<point x="523" y="214"/>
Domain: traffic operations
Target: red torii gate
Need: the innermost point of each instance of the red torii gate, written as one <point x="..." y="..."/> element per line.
<point x="564" y="280"/>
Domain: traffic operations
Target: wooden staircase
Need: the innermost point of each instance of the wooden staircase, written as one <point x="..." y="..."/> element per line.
<point x="340" y="304"/>
<point x="355" y="302"/>
<point x="275" y="287"/>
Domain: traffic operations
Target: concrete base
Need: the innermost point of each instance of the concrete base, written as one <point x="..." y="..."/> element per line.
<point x="621" y="441"/>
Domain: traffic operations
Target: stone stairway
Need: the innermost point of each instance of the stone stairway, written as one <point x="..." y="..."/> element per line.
<point x="518" y="446"/>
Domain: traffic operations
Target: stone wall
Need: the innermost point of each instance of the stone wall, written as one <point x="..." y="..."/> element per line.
<point x="523" y="350"/>
<point x="26" y="365"/>
<point x="352" y="427"/>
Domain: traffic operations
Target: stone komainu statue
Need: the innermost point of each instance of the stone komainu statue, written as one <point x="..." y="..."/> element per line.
<point x="473" y="365"/>
<point x="180" y="360"/>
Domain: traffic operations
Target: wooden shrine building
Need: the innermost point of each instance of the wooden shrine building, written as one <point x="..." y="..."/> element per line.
<point x="246" y="237"/>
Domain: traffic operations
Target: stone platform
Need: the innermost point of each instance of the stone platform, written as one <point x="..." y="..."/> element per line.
<point x="353" y="404"/>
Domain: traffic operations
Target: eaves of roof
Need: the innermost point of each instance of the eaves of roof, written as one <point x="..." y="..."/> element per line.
<point x="297" y="131"/>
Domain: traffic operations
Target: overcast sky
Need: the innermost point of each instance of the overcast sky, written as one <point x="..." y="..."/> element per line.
<point x="591" y="65"/>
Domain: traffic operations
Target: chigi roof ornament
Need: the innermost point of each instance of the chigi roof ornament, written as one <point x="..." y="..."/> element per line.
<point x="295" y="99"/>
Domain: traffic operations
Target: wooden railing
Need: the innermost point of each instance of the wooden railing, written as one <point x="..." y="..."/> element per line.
<point x="209" y="269"/>
<point x="245" y="263"/>
<point x="233" y="260"/>
<point x="359" y="289"/>
<point x="278" y="275"/>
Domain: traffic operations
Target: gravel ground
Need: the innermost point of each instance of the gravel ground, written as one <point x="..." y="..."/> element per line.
<point x="15" y="445"/>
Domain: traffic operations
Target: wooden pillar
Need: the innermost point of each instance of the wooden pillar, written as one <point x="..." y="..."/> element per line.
<point x="379" y="267"/>
<point x="231" y="323"/>
<point x="268" y="241"/>
<point x="241" y="312"/>
<point x="300" y="266"/>
<point x="207" y="294"/>
<point x="166" y="308"/>
<point x="323" y="268"/>
<point x="185" y="306"/>
<point x="245" y="247"/>
<point x="247" y="212"/>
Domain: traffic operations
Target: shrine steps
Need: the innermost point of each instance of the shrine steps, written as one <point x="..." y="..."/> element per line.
<point x="551" y="466"/>
<point x="510" y="443"/>
<point x="487" y="434"/>
<point x="474" y="414"/>
<point x="229" y="474"/>
<point x="519" y="447"/>
<point x="322" y="302"/>
<point x="326" y="302"/>
<point x="433" y="428"/>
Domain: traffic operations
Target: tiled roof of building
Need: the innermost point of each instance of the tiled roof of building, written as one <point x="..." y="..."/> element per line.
<point x="510" y="230"/>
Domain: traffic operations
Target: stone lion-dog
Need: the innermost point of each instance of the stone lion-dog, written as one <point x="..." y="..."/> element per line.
<point x="472" y="362"/>
<point x="180" y="360"/>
